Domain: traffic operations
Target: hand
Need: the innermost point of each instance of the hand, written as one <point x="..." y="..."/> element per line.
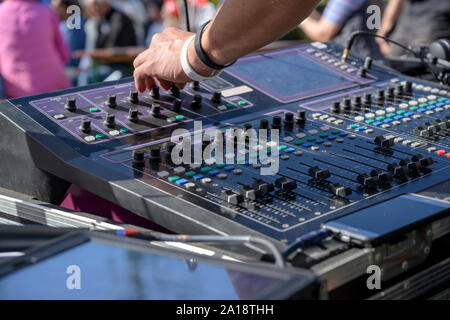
<point x="384" y="46"/>
<point x="162" y="61"/>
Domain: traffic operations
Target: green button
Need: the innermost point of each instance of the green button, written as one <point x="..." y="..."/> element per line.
<point x="189" y="174"/>
<point x="335" y="131"/>
<point x="173" y="178"/>
<point x="205" y="169"/>
<point x="124" y="130"/>
<point x="380" y="118"/>
<point x="230" y="105"/>
<point x="442" y="99"/>
<point x="432" y="102"/>
<point x="299" y="142"/>
<point x="242" y="103"/>
<point x="323" y="135"/>
<point x="310" y="139"/>
<point x="353" y="126"/>
<point x="370" y="121"/>
<point x="99" y="136"/>
<point x="221" y="165"/>
<point x="423" y="105"/>
<point x="414" y="108"/>
<point x="390" y="115"/>
<point x="401" y="111"/>
<point x="179" y="117"/>
<point x="93" y="109"/>
<point x="282" y="147"/>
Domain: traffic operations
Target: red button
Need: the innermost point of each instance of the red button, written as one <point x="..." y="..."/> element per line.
<point x="448" y="155"/>
<point x="440" y="152"/>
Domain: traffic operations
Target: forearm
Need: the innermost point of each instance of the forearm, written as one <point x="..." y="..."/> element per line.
<point x="240" y="27"/>
<point x="391" y="14"/>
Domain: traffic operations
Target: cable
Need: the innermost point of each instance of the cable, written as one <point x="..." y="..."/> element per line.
<point x="307" y="240"/>
<point x="186" y="12"/>
<point x="279" y="261"/>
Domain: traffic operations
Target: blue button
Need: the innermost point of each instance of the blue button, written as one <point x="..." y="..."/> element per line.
<point x="408" y="114"/>
<point x="399" y="117"/>
<point x="319" y="141"/>
<point x="214" y="172"/>
<point x="197" y="177"/>
<point x="307" y="144"/>
<point x="377" y="123"/>
<point x="181" y="181"/>
<point x="440" y="104"/>
<point x="331" y="137"/>
<point x="421" y="110"/>
<point x="228" y="168"/>
<point x="289" y="150"/>
<point x="343" y="134"/>
<point x="447" y="101"/>
<point x="361" y="128"/>
<point x="431" y="107"/>
<point x="387" y="120"/>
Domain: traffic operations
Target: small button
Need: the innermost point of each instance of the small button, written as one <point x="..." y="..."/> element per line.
<point x="179" y="170"/>
<point x="440" y="152"/>
<point x="190" y="174"/>
<point x="206" y="180"/>
<point x="222" y="176"/>
<point x="237" y="171"/>
<point x="173" y="178"/>
<point x="114" y="133"/>
<point x="181" y="181"/>
<point x="205" y="169"/>
<point x="162" y="174"/>
<point x="189" y="185"/>
<point x="89" y="138"/>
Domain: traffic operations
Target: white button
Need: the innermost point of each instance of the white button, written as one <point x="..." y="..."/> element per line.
<point x="403" y="105"/>
<point x="417" y="116"/>
<point x="189" y="185"/>
<point x="323" y="117"/>
<point x="390" y="109"/>
<point x="431" y="149"/>
<point x="331" y="119"/>
<point x="369" y="115"/>
<point x="114" y="133"/>
<point x="59" y="116"/>
<point x="179" y="170"/>
<point x="415" y="144"/>
<point x="439" y="109"/>
<point x="419" y="87"/>
<point x="89" y="138"/>
<point x="406" y="142"/>
<point x="271" y="144"/>
<point x="300" y="135"/>
<point x="359" y="118"/>
<point x="406" y="119"/>
<point x="443" y="92"/>
<point x="206" y="180"/>
<point x="339" y="121"/>
<point x="432" y="97"/>
<point x="413" y="103"/>
<point x="426" y="89"/>
<point x="395" y="123"/>
<point x="422" y="100"/>
<point x="369" y="131"/>
<point x="162" y="174"/>
<point x="315" y="148"/>
<point x="316" y="115"/>
<point x="380" y="112"/>
<point x="429" y="112"/>
<point x="398" y="140"/>
<point x="435" y="90"/>
<point x="384" y="126"/>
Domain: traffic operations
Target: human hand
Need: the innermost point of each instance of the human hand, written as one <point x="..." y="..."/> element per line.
<point x="384" y="46"/>
<point x="162" y="61"/>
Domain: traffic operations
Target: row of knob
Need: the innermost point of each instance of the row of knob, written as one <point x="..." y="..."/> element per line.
<point x="437" y="127"/>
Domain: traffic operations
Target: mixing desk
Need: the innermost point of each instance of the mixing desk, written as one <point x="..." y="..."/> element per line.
<point x="351" y="134"/>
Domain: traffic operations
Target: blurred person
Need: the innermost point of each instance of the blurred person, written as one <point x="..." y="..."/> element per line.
<point x="135" y="10"/>
<point x="339" y="20"/>
<point x="113" y="28"/>
<point x="75" y="37"/>
<point x="32" y="50"/>
<point x="155" y="19"/>
<point x="414" y="23"/>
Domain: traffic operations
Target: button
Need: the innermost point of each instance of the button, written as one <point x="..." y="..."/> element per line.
<point x="299" y="142"/>
<point x="288" y="139"/>
<point x="284" y="157"/>
<point x="237" y="171"/>
<point x="313" y="132"/>
<point x="190" y="174"/>
<point x="89" y="138"/>
<point x="94" y="109"/>
<point x="440" y="152"/>
<point x="114" y="133"/>
<point x="298" y="153"/>
<point x="162" y="174"/>
<point x="431" y="149"/>
<point x="300" y="135"/>
<point x="179" y="170"/>
<point x="181" y="181"/>
<point x="59" y="116"/>
<point x="205" y="169"/>
<point x="324" y="128"/>
<point x="197" y="177"/>
<point x="206" y="180"/>
<point x="228" y="168"/>
<point x="189" y="185"/>
<point x="124" y="130"/>
<point x="179" y="117"/>
<point x="173" y="178"/>
<point x="213" y="172"/>
<point x="222" y="176"/>
<point x="99" y="136"/>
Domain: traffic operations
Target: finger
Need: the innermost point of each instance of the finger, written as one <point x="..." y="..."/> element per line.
<point x="164" y="83"/>
<point x="141" y="58"/>
<point x="149" y="83"/>
<point x="139" y="79"/>
<point x="180" y="85"/>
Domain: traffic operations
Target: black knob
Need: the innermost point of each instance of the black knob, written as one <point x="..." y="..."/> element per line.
<point x="264" y="124"/>
<point x="138" y="158"/>
<point x="399" y="91"/>
<point x="362" y="72"/>
<point x="262" y="186"/>
<point x="168" y="152"/>
<point x="408" y="88"/>
<point x="347" y="104"/>
<point x="285" y="185"/>
<point x="85" y="126"/>
<point x="289" y="118"/>
<point x="111" y="101"/>
<point x="318" y="173"/>
<point x="155" y="154"/>
<point x="174" y="91"/>
<point x="250" y="193"/>
<point x="276" y="122"/>
<point x="176" y="105"/>
<point x="356" y="105"/>
<point x="340" y="191"/>
<point x="71" y="105"/>
<point x="366" y="181"/>
<point x="231" y="197"/>
<point x="390" y="93"/>
<point x="367" y="101"/>
<point x="301" y="116"/>
<point x="195" y="85"/>
<point x="247" y="126"/>
<point x="379" y="98"/>
<point x="110" y="121"/>
<point x="217" y="97"/>
<point x="156" y="109"/>
<point x="154" y="92"/>
<point x="197" y="102"/>
<point x="336" y="107"/>
<point x="368" y="63"/>
<point x="133" y="115"/>
<point x="133" y="97"/>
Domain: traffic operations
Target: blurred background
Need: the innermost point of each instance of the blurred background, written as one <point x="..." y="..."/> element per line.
<point x="49" y="45"/>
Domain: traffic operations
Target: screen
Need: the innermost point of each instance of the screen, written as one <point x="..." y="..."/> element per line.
<point x="110" y="272"/>
<point x="288" y="76"/>
<point x="389" y="216"/>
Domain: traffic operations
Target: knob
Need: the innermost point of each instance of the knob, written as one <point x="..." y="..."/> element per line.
<point x="174" y="91"/>
<point x="301" y="116"/>
<point x="133" y="115"/>
<point x="133" y="97"/>
<point x="367" y="101"/>
<point x="110" y="121"/>
<point x="217" y="97"/>
<point x="276" y="122"/>
<point x="262" y="186"/>
<point x="156" y="109"/>
<point x="155" y="154"/>
<point x="71" y="105"/>
<point x="379" y="98"/>
<point x="340" y="191"/>
<point x="408" y="88"/>
<point x="111" y="101"/>
<point x="288" y="118"/>
<point x="195" y="85"/>
<point x="362" y="72"/>
<point x="285" y="185"/>
<point x="264" y="124"/>
<point x="197" y="102"/>
<point x="390" y="94"/>
<point x="85" y="126"/>
<point x="250" y="193"/>
<point x="168" y="152"/>
<point x="356" y="105"/>
<point x="347" y="104"/>
<point x="247" y="126"/>
<point x="176" y="105"/>
<point x="231" y="197"/>
<point x="318" y="173"/>
<point x="399" y="90"/>
<point x="366" y="181"/>
<point x="154" y="92"/>
<point x="138" y="159"/>
<point x="336" y="107"/>
<point x="368" y="63"/>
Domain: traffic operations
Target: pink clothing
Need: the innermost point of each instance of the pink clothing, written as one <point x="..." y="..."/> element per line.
<point x="32" y="50"/>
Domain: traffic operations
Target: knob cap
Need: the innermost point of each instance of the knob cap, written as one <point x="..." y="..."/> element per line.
<point x="336" y="107"/>
<point x="367" y="100"/>
<point x="362" y="72"/>
<point x="155" y="154"/>
<point x="174" y="91"/>
<point x="368" y="63"/>
<point x="264" y="124"/>
<point x="85" y="126"/>
<point x="408" y="88"/>
<point x="154" y="92"/>
<point x="71" y="104"/>
<point x="133" y="115"/>
<point x="197" y="102"/>
<point x="276" y="122"/>
<point x="301" y="116"/>
<point x="111" y="101"/>
<point x="138" y="158"/>
<point x="390" y="93"/>
<point x="347" y="104"/>
<point x="110" y="121"/>
<point x="156" y="109"/>
<point x="133" y="97"/>
<point x="379" y="96"/>
<point x="356" y="105"/>
<point x="176" y="105"/>
<point x="195" y="85"/>
<point x="217" y="97"/>
<point x="399" y="91"/>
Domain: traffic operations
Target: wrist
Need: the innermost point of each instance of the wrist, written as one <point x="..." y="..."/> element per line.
<point x="196" y="63"/>
<point x="212" y="48"/>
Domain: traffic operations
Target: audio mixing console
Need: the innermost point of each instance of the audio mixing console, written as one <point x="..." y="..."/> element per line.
<point x="351" y="134"/>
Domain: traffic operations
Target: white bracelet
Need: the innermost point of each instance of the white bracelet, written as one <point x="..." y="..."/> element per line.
<point x="187" y="66"/>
